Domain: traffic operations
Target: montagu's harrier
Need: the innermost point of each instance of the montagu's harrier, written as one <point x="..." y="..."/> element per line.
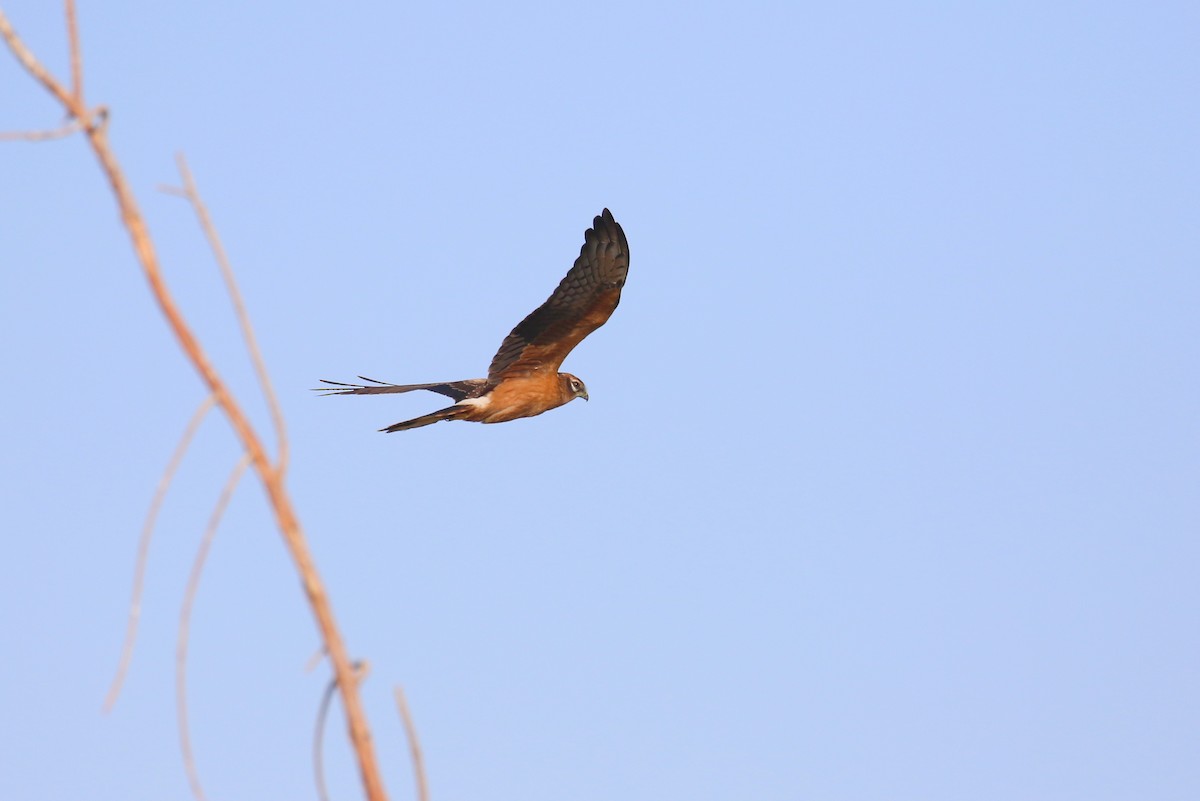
<point x="523" y="379"/>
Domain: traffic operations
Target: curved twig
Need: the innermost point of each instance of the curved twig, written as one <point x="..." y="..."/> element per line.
<point x="361" y="669"/>
<point x="319" y="741"/>
<point x="185" y="622"/>
<point x="260" y="368"/>
<point x="143" y="552"/>
<point x="414" y="745"/>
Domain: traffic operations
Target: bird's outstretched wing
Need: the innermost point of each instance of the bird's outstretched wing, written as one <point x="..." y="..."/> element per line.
<point x="583" y="302"/>
<point x="458" y="390"/>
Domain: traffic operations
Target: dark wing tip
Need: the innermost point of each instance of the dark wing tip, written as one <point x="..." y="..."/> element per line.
<point x="606" y="223"/>
<point x="605" y="229"/>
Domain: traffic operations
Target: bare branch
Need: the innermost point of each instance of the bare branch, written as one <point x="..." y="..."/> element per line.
<point x="61" y="132"/>
<point x="414" y="745"/>
<point x="239" y="307"/>
<point x="143" y="553"/>
<point x="271" y="477"/>
<point x="315" y="659"/>
<point x="185" y="621"/>
<point x="76" y="54"/>
<point x="361" y="669"/>
<point x="35" y="68"/>
<point x="319" y="742"/>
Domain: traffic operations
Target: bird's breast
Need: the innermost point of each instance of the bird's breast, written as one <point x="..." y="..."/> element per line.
<point x="514" y="398"/>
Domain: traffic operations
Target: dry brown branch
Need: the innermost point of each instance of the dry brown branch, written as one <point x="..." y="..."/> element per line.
<point x="143" y="553"/>
<point x="61" y="132"/>
<point x="271" y="477"/>
<point x="235" y="295"/>
<point x="414" y="745"/>
<point x="32" y="65"/>
<point x="76" y="53"/>
<point x="185" y="622"/>
<point x="361" y="669"/>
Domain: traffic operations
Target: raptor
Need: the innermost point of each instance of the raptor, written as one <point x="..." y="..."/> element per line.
<point x="523" y="379"/>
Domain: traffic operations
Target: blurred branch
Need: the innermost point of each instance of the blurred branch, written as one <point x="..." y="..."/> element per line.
<point x="34" y="67"/>
<point x="361" y="669"/>
<point x="414" y="745"/>
<point x="143" y="554"/>
<point x="319" y="741"/>
<point x="270" y="476"/>
<point x="76" y="53"/>
<point x="192" y="195"/>
<point x="61" y="132"/>
<point x="185" y="622"/>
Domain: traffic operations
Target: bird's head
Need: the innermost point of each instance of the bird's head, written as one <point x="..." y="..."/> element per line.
<point x="572" y="386"/>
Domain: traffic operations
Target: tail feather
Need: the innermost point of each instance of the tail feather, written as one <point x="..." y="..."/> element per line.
<point x="449" y="413"/>
<point x="456" y="390"/>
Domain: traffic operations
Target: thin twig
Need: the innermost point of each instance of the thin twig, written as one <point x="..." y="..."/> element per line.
<point x="361" y="669"/>
<point x="314" y="660"/>
<point x="239" y="308"/>
<point x="61" y="132"/>
<point x="34" y="67"/>
<point x="143" y="552"/>
<point x="272" y="479"/>
<point x="76" y="54"/>
<point x="319" y="741"/>
<point x="185" y="621"/>
<point x="414" y="745"/>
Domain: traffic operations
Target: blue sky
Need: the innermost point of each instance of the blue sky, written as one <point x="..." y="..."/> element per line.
<point x="888" y="483"/>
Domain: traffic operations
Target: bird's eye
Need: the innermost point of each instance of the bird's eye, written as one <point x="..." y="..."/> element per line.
<point x="575" y="385"/>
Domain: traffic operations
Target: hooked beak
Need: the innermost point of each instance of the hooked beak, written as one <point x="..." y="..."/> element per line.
<point x="584" y="395"/>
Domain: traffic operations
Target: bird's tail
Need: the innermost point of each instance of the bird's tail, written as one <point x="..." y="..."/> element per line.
<point x="449" y="413"/>
<point x="451" y="389"/>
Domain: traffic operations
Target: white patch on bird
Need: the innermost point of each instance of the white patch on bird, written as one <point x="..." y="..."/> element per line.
<point x="482" y="402"/>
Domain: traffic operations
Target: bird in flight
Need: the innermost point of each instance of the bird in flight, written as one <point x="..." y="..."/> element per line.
<point x="523" y="379"/>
